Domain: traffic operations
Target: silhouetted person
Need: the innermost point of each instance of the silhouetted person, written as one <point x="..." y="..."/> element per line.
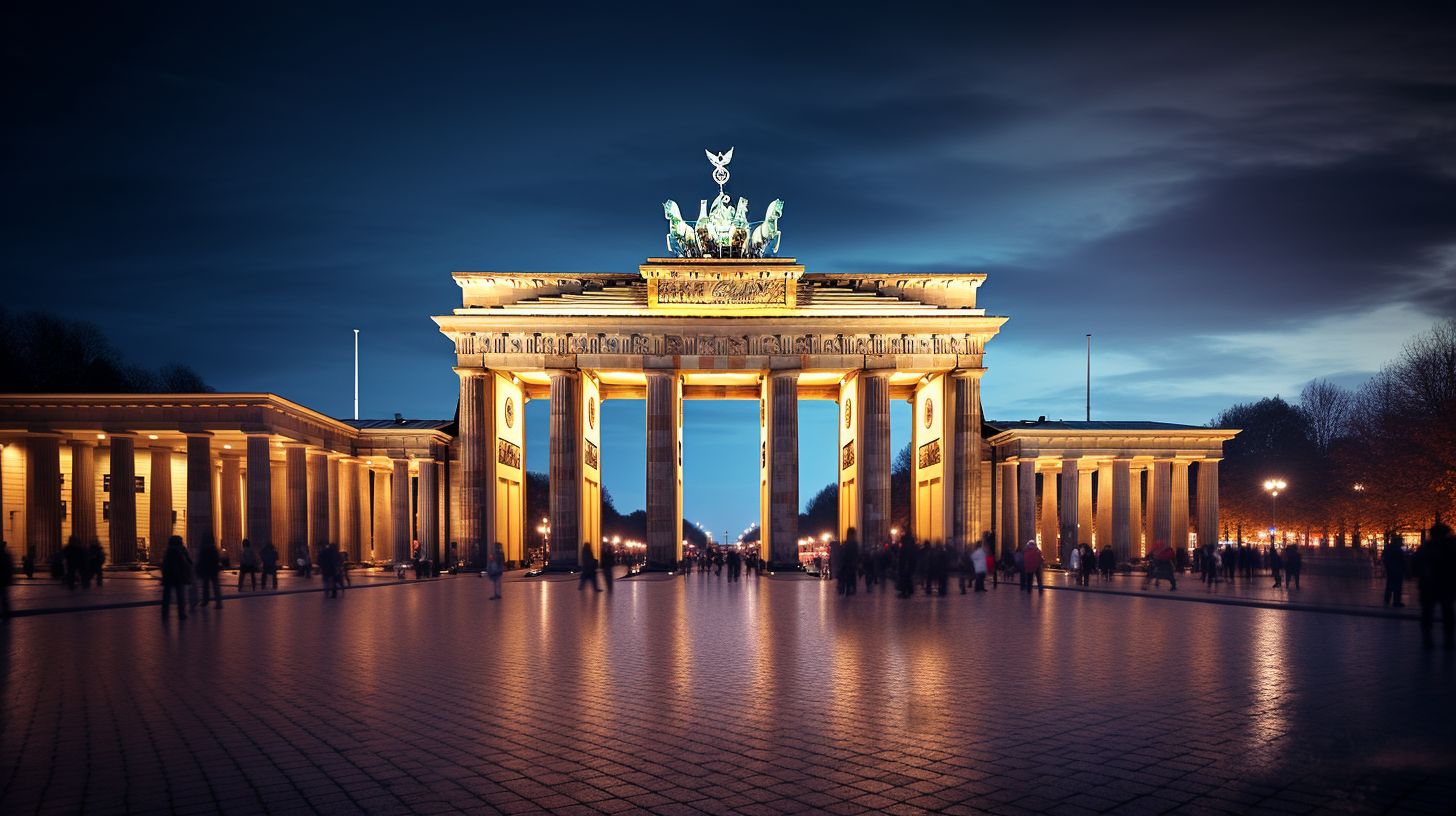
<point x="1394" y="560"/>
<point x="27" y="563"/>
<point x="248" y="565"/>
<point x="1106" y="562"/>
<point x="1293" y="566"/>
<point x="176" y="575"/>
<point x="495" y="567"/>
<point x="268" y="558"/>
<point x="1436" y="581"/>
<point x="209" y="567"/>
<point x="95" y="561"/>
<point x="588" y="569"/>
<point x="74" y="562"/>
<point x="329" y="569"/>
<point x="7" y="577"/>
<point x="849" y="565"/>
<point x="1276" y="566"/>
<point x="608" y="564"/>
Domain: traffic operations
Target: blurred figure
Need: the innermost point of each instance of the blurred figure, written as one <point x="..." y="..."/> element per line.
<point x="73" y="562"/>
<point x="176" y="575"/>
<point x="95" y="561"/>
<point x="268" y="558"/>
<point x="608" y="563"/>
<point x="248" y="565"/>
<point x="1436" y="581"/>
<point x="588" y="569"/>
<point x="980" y="564"/>
<point x="209" y="567"/>
<point x="27" y="562"/>
<point x="1293" y="566"/>
<point x="7" y="577"/>
<point x="495" y="567"/>
<point x="1394" y="561"/>
<point x="1031" y="566"/>
<point x="848" y="574"/>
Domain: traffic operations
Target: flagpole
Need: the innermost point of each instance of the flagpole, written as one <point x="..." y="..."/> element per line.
<point x="1089" y="378"/>
<point x="356" y="373"/>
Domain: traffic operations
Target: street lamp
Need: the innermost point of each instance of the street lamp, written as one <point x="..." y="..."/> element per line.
<point x="1274" y="487"/>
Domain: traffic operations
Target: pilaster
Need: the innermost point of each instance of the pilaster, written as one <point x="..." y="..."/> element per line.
<point x="83" y="490"/>
<point x="783" y="469"/>
<point x="199" y="489"/>
<point x="161" y="527"/>
<point x="123" y="528"/>
<point x="259" y="529"/>
<point x="43" y="495"/>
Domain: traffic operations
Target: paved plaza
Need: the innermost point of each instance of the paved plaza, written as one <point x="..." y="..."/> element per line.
<point x="691" y="694"/>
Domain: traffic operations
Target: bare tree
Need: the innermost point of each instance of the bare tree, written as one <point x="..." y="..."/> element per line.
<point x="1326" y="407"/>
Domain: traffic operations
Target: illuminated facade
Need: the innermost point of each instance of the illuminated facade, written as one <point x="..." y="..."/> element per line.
<point x="257" y="466"/>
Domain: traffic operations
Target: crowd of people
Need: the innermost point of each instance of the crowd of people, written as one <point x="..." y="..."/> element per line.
<point x="192" y="578"/>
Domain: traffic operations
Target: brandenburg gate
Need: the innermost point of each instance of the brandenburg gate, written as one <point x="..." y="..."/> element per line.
<point x="718" y="316"/>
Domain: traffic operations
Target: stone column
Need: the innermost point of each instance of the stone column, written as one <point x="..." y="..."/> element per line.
<point x="1121" y="514"/>
<point x="1104" y="504"/>
<point x="296" y="461"/>
<point x="382" y="537"/>
<point x="428" y="502"/>
<point x="477" y="452"/>
<point x="783" y="469"/>
<point x="875" y="455"/>
<point x="331" y="471"/>
<point x="664" y="522"/>
<point x="966" y="465"/>
<point x="1179" y="523"/>
<point x="122" y="549"/>
<point x="349" y="511"/>
<point x="83" y="490"/>
<point x="1085" y="526"/>
<point x="1070" y="539"/>
<point x="161" y="527"/>
<point x="232" y="503"/>
<point x="43" y="496"/>
<point x="1208" y="501"/>
<point x="1050" y="545"/>
<point x="1160" y="508"/>
<point x="318" y="503"/>
<point x="565" y="474"/>
<point x="1006" y="495"/>
<point x="1025" y="501"/>
<point x="1135" y="509"/>
<point x="260" y="492"/>
<point x="199" y="489"/>
<point x="399" y="511"/>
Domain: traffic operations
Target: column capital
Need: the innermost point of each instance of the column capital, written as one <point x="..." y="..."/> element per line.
<point x="471" y="372"/>
<point x="783" y="373"/>
<point x="1211" y="460"/>
<point x="879" y="373"/>
<point x="197" y="434"/>
<point x="103" y="435"/>
<point x="82" y="442"/>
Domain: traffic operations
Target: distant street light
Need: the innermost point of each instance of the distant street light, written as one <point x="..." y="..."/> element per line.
<point x="1274" y="487"/>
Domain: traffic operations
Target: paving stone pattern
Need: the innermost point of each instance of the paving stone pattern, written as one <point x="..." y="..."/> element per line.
<point x="693" y="695"/>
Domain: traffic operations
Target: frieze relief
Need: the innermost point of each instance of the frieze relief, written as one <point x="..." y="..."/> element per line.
<point x="507" y="453"/>
<point x="722" y="292"/>
<point x="593" y="457"/>
<point x="710" y="345"/>
<point x="846" y="455"/>
<point x="929" y="453"/>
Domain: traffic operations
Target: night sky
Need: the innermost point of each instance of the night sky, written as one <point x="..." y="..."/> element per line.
<point x="1232" y="202"/>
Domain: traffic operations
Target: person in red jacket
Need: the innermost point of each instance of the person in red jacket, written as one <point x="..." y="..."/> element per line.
<point x="1031" y="566"/>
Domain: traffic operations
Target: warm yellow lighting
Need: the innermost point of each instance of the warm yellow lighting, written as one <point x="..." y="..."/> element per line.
<point x="227" y="446"/>
<point x="100" y="436"/>
<point x="1275" y="485"/>
<point x="151" y="436"/>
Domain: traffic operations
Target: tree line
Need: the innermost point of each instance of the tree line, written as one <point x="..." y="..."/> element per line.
<point x="43" y="353"/>
<point x="1377" y="459"/>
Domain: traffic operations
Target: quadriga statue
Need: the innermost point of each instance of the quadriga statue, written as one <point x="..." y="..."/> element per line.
<point x="678" y="231"/>
<point x="767" y="232"/>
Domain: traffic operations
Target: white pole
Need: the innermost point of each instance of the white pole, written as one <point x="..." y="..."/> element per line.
<point x="356" y="373"/>
<point x="1089" y="378"/>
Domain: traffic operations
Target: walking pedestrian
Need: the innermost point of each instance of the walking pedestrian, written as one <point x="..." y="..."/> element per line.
<point x="328" y="567"/>
<point x="588" y="569"/>
<point x="1293" y="566"/>
<point x="1106" y="562"/>
<point x="209" y="566"/>
<point x="1031" y="566"/>
<point x="176" y="575"/>
<point x="609" y="563"/>
<point x="1276" y="566"/>
<point x="268" y="558"/>
<point x="74" y="561"/>
<point x="27" y="563"/>
<point x="7" y="577"/>
<point x="1393" y="560"/>
<point x="248" y="565"/>
<point x="495" y="567"/>
<point x="980" y="564"/>
<point x="849" y="565"/>
<point x="1074" y="564"/>
<point x="95" y="561"/>
<point x="1436" y="581"/>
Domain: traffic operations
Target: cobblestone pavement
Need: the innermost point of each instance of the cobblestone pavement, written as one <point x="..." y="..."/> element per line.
<point x="1361" y="595"/>
<point x="45" y="595"/>
<point x="688" y="695"/>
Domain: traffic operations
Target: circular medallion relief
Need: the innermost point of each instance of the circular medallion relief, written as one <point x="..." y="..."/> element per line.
<point x="591" y="412"/>
<point x="929" y="412"/>
<point x="848" y="411"/>
<point x="510" y="412"/>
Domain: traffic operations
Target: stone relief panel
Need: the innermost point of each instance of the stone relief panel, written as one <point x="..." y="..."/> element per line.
<point x="929" y="453"/>
<point x="708" y="345"/>
<point x="846" y="455"/>
<point x="507" y="453"/>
